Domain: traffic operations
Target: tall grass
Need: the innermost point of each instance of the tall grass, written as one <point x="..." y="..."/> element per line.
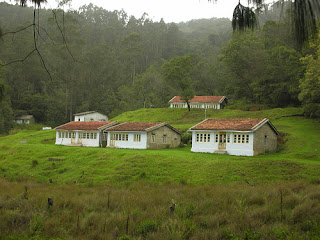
<point x="141" y="211"/>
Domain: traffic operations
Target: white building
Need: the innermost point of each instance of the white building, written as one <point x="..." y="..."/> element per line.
<point x="25" y="119"/>
<point x="243" y="137"/>
<point x="89" y="116"/>
<point x="80" y="133"/>
<point x="208" y="102"/>
<point x="143" y="135"/>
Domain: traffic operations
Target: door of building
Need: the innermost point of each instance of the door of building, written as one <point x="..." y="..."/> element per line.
<point x="222" y="140"/>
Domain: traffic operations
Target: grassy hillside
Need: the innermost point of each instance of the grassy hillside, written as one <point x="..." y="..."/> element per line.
<point x="25" y="155"/>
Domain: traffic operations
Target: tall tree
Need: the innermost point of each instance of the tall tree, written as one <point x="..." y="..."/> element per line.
<point x="310" y="83"/>
<point x="177" y="74"/>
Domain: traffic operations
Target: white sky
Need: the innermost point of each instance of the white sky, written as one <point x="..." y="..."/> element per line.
<point x="169" y="10"/>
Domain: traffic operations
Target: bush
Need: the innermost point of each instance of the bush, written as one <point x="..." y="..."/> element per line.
<point x="34" y="163"/>
<point x="146" y="227"/>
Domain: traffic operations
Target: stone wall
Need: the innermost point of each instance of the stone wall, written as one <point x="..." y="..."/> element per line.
<point x="265" y="139"/>
<point x="173" y="139"/>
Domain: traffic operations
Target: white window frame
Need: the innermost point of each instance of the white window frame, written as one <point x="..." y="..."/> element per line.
<point x="241" y="138"/>
<point x="137" y="138"/>
<point x="203" y="137"/>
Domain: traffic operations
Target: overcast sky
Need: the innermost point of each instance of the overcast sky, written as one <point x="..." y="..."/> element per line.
<point x="169" y="10"/>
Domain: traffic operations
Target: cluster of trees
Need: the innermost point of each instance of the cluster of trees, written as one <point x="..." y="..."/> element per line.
<point x="113" y="63"/>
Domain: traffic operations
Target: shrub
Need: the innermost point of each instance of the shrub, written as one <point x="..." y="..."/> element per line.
<point x="146" y="227"/>
<point x="34" y="163"/>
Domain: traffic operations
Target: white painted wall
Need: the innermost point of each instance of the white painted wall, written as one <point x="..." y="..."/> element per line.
<point x="79" y="118"/>
<point x="203" y="147"/>
<point x="91" y="117"/>
<point x="238" y="149"/>
<point x="130" y="143"/>
<point x="62" y="141"/>
<point x="85" y="142"/>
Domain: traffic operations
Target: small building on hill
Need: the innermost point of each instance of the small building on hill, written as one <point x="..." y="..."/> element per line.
<point x="25" y="119"/>
<point x="89" y="116"/>
<point x="143" y="135"/>
<point x="243" y="137"/>
<point x="207" y="102"/>
<point x="80" y="133"/>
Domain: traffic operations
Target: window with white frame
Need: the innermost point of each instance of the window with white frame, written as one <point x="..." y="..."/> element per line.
<point x="241" y="138"/>
<point x="137" y="138"/>
<point x="119" y="136"/>
<point x="228" y="137"/>
<point x="203" y="137"/>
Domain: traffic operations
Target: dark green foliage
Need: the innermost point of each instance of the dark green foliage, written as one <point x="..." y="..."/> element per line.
<point x="34" y="163"/>
<point x="305" y="16"/>
<point x="146" y="227"/>
<point x="243" y="18"/>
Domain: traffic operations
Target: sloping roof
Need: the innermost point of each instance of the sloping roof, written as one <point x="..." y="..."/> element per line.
<point x="200" y="99"/>
<point x="140" y="126"/>
<point x="24" y="117"/>
<point x="241" y="124"/>
<point x="92" y="125"/>
<point x="84" y="113"/>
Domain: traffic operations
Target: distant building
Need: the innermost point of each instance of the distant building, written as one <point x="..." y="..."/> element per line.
<point x="26" y="119"/>
<point x="81" y="133"/>
<point x="207" y="102"/>
<point x="89" y="116"/>
<point x="143" y="135"/>
<point x="243" y="137"/>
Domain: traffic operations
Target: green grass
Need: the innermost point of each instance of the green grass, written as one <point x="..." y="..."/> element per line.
<point x="298" y="160"/>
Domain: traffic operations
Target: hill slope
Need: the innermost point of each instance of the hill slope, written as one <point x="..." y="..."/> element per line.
<point x="25" y="155"/>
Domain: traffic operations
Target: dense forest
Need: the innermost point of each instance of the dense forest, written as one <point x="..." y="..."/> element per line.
<point x="94" y="59"/>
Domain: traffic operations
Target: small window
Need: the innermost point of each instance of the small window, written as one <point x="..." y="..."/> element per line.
<point x="95" y="136"/>
<point x="88" y="135"/>
<point x="228" y="138"/>
<point x="91" y="136"/>
<point x="197" y="139"/>
<point x="164" y="139"/>
<point x="265" y="140"/>
<point x="153" y="138"/>
<point x="137" y="137"/>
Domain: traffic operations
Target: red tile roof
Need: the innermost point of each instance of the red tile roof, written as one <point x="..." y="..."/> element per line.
<point x="200" y="99"/>
<point x="135" y="126"/>
<point x="92" y="125"/>
<point x="229" y="124"/>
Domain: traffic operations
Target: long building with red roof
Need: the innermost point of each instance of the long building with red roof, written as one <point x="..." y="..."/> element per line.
<point x="143" y="135"/>
<point x="207" y="102"/>
<point x="81" y="133"/>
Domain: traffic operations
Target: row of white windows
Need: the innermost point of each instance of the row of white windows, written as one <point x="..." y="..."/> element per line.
<point x="177" y="105"/>
<point x="82" y="135"/>
<point x="208" y="106"/>
<point x="119" y="136"/>
<point x="213" y="106"/>
<point x="237" y="138"/>
<point x="136" y="138"/>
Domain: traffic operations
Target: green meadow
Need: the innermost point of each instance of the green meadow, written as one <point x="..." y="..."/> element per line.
<point x="102" y="193"/>
<point x="25" y="155"/>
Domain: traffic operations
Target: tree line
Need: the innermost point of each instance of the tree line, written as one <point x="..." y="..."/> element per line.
<point x="111" y="62"/>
